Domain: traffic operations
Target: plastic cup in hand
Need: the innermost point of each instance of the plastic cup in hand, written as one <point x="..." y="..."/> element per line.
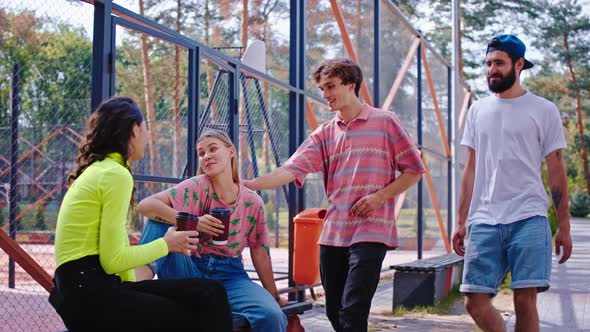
<point x="186" y="221"/>
<point x="223" y="215"/>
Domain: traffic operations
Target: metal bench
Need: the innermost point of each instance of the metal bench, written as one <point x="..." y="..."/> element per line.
<point x="424" y="282"/>
<point x="291" y="311"/>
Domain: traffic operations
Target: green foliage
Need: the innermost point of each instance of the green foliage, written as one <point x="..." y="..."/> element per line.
<point x="39" y="218"/>
<point x="580" y="204"/>
<point x="3" y="217"/>
<point x="505" y="284"/>
<point x="442" y="308"/>
<point x="55" y="61"/>
<point x="551" y="214"/>
<point x="270" y="215"/>
<point x="135" y="221"/>
<point x="565" y="33"/>
<point x="480" y="20"/>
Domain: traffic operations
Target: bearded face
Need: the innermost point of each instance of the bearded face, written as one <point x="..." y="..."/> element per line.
<point x="499" y="82"/>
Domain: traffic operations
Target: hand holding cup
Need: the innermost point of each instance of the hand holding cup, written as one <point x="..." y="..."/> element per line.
<point x="182" y="242"/>
<point x="210" y="225"/>
<point x="221" y="214"/>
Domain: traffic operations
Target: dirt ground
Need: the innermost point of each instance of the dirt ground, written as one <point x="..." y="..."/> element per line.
<point x="456" y="320"/>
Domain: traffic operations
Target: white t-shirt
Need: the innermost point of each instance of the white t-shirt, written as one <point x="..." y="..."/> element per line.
<point x="511" y="137"/>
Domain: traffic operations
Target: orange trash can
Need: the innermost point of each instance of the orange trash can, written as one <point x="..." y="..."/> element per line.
<point x="306" y="251"/>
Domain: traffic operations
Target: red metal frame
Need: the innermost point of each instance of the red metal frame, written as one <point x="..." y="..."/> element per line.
<point x="25" y="261"/>
<point x="441" y="125"/>
<point x="400" y="76"/>
<point x="435" y="204"/>
<point x="349" y="48"/>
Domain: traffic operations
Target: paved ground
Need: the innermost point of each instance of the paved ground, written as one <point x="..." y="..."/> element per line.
<point x="565" y="307"/>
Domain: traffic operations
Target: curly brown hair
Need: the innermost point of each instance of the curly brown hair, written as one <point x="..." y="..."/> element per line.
<point x="345" y="69"/>
<point x="109" y="129"/>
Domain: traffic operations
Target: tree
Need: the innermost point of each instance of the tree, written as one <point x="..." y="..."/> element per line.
<point x="177" y="18"/>
<point x="55" y="61"/>
<point x="149" y="100"/>
<point x="176" y="148"/>
<point x="55" y="70"/>
<point x="479" y="21"/>
<point x="39" y="218"/>
<point x="565" y="33"/>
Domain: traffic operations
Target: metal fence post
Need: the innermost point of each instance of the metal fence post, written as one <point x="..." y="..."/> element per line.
<point x="233" y="100"/>
<point x="15" y="108"/>
<point x="450" y="212"/>
<point x="102" y="53"/>
<point x="376" y="51"/>
<point x="419" y="214"/>
<point x="193" y="109"/>
<point x="296" y="113"/>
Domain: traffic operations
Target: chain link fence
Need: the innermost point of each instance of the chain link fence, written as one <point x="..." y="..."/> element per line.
<point x="53" y="53"/>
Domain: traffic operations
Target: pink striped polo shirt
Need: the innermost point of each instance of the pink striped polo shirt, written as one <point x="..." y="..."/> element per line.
<point x="357" y="159"/>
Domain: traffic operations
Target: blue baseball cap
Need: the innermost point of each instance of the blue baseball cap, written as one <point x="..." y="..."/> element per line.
<point x="511" y="45"/>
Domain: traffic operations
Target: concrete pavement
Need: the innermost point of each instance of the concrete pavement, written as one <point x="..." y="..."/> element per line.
<point x="564" y="307"/>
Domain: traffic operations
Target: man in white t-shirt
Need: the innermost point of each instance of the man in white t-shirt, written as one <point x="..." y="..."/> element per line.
<point x="503" y="203"/>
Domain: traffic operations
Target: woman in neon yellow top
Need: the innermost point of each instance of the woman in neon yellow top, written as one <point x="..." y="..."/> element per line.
<point x="94" y="282"/>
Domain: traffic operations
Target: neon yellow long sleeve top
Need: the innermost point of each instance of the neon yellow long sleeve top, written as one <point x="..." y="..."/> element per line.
<point x="92" y="221"/>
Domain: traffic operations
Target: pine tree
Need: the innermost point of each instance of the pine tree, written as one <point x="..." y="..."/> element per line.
<point x="566" y="35"/>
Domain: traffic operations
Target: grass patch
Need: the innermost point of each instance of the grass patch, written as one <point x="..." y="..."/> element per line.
<point x="505" y="285"/>
<point x="442" y="308"/>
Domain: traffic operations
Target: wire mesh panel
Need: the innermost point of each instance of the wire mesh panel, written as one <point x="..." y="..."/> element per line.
<point x="396" y="42"/>
<point x="214" y="99"/>
<point x="327" y="39"/>
<point x="315" y="193"/>
<point x="358" y="20"/>
<point x="51" y="44"/>
<point x="219" y="24"/>
<point x="264" y="130"/>
<point x="432" y="137"/>
<point x="461" y="152"/>
<point x="322" y="37"/>
<point x="406" y="221"/>
<point x="438" y="172"/>
<point x="154" y="74"/>
<point x="272" y="27"/>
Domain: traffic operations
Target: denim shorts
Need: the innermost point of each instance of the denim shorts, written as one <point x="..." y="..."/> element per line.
<point x="522" y="247"/>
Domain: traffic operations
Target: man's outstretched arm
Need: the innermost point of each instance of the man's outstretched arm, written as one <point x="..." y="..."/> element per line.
<point x="278" y="177"/>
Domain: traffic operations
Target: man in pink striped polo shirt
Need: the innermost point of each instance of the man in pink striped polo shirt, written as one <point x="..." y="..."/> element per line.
<point x="359" y="152"/>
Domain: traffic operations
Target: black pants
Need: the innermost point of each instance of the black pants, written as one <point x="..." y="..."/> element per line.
<point x="350" y="276"/>
<point x="88" y="299"/>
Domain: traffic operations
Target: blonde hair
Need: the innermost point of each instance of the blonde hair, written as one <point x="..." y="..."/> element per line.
<point x="224" y="138"/>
